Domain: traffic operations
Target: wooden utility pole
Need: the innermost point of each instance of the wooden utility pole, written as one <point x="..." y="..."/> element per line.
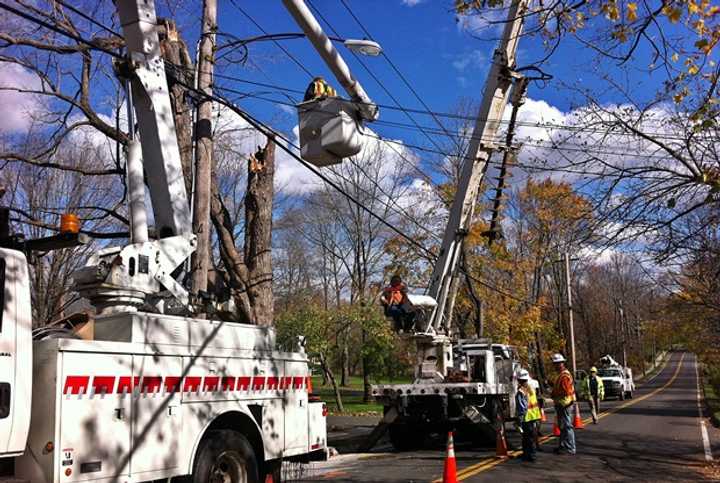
<point x="570" y="312"/>
<point x="204" y="146"/>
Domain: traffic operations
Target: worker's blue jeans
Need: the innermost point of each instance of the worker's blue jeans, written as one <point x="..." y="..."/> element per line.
<point x="567" y="433"/>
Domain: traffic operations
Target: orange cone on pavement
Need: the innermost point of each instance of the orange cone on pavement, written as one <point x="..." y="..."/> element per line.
<point x="269" y="478"/>
<point x="577" y="422"/>
<point x="450" y="468"/>
<point x="556" y="428"/>
<point x="500" y="443"/>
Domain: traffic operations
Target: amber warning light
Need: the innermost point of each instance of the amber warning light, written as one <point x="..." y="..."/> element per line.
<point x="69" y="223"/>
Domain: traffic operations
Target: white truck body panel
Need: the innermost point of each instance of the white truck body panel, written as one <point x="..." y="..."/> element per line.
<point x="136" y="410"/>
<point x="15" y="352"/>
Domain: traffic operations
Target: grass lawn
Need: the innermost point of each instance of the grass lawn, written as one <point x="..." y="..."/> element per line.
<point x="352" y="395"/>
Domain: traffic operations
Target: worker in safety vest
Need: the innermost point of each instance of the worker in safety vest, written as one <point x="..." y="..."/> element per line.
<point x="397" y="305"/>
<point x="528" y="414"/>
<point x="319" y="89"/>
<point x="563" y="395"/>
<point x="594" y="390"/>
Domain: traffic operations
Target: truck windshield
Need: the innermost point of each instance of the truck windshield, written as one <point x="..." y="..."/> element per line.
<point x="609" y="373"/>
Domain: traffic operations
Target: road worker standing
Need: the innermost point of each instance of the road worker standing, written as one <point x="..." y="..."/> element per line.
<point x="563" y="395"/>
<point x="528" y="414"/>
<point x="319" y="89"/>
<point x="594" y="390"/>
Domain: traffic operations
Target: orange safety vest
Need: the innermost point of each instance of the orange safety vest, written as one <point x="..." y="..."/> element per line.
<point x="563" y="392"/>
<point x="393" y="294"/>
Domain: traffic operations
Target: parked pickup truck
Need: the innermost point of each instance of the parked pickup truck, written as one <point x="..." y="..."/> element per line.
<point x="618" y="380"/>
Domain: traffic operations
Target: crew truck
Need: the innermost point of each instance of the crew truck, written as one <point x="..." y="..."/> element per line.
<point x="158" y="393"/>
<point x="466" y="385"/>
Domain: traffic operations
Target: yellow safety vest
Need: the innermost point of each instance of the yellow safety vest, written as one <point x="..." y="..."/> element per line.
<point x="322" y="89"/>
<point x="533" y="410"/>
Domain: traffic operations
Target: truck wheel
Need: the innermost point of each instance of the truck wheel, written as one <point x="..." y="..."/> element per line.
<point x="225" y="456"/>
<point x="404" y="437"/>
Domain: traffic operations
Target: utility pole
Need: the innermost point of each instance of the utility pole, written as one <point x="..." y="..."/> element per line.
<point x="200" y="264"/>
<point x="570" y="311"/>
<point x="624" y="336"/>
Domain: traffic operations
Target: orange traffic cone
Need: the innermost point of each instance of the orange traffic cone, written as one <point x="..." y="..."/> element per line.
<point x="577" y="422"/>
<point x="543" y="418"/>
<point x="450" y="468"/>
<point x="501" y="449"/>
<point x="269" y="478"/>
<point x="556" y="428"/>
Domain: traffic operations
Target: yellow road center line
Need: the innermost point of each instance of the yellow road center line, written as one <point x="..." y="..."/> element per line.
<point x="493" y="462"/>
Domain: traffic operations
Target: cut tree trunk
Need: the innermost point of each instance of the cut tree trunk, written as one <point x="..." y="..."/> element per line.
<point x="250" y="271"/>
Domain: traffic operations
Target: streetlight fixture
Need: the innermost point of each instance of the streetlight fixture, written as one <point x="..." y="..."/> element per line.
<point x="364" y="47"/>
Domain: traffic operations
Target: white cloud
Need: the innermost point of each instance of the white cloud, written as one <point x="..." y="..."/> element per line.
<point x="19" y="108"/>
<point x="411" y="3"/>
<point x="489" y="19"/>
<point x="475" y="60"/>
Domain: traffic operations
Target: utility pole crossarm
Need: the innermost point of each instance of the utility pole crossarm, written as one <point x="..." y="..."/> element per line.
<point x="474" y="164"/>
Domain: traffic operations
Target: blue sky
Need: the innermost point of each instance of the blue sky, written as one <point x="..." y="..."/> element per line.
<point x="434" y="52"/>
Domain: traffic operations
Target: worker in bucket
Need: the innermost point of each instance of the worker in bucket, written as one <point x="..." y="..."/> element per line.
<point x="528" y="414"/>
<point x="594" y="390"/>
<point x="563" y="395"/>
<point x="318" y="89"/>
<point x="397" y="305"/>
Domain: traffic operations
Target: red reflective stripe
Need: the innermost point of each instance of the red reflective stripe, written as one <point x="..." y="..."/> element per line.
<point x="211" y="383"/>
<point x="258" y="383"/>
<point x="127" y="384"/>
<point x="227" y="384"/>
<point x="150" y="384"/>
<point x="298" y="382"/>
<point x="172" y="384"/>
<point x="286" y="383"/>
<point x="243" y="383"/>
<point x="103" y="384"/>
<point x="192" y="384"/>
<point x="272" y="383"/>
<point x="76" y="384"/>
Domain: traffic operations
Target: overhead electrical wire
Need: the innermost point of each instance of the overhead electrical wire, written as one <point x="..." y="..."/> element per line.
<point x="268" y="132"/>
<point x="375" y="77"/>
<point x="397" y="71"/>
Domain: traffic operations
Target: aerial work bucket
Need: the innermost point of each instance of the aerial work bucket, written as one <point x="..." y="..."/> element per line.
<point x="330" y="130"/>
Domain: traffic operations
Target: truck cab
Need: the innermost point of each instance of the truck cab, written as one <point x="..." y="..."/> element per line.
<point x="15" y="352"/>
<point x="617" y="383"/>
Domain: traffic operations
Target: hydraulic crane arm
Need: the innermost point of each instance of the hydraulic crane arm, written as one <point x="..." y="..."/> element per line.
<point x="474" y="164"/>
<point x="151" y="100"/>
<point x="123" y="279"/>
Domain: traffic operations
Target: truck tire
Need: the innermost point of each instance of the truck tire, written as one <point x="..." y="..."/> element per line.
<point x="225" y="455"/>
<point x="405" y="437"/>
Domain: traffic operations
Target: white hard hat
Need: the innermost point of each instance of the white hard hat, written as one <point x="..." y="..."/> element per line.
<point x="523" y="375"/>
<point x="558" y="358"/>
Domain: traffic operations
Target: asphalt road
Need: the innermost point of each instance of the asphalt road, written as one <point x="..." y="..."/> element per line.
<point x="656" y="436"/>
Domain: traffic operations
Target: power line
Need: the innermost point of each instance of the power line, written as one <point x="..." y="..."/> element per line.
<point x="292" y="57"/>
<point x="375" y="78"/>
<point x="270" y="133"/>
<point x="398" y="72"/>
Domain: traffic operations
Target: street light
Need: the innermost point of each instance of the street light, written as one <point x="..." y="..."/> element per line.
<point x="364" y="46"/>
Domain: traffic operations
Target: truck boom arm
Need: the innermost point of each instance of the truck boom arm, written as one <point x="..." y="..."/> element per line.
<point x="474" y="165"/>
